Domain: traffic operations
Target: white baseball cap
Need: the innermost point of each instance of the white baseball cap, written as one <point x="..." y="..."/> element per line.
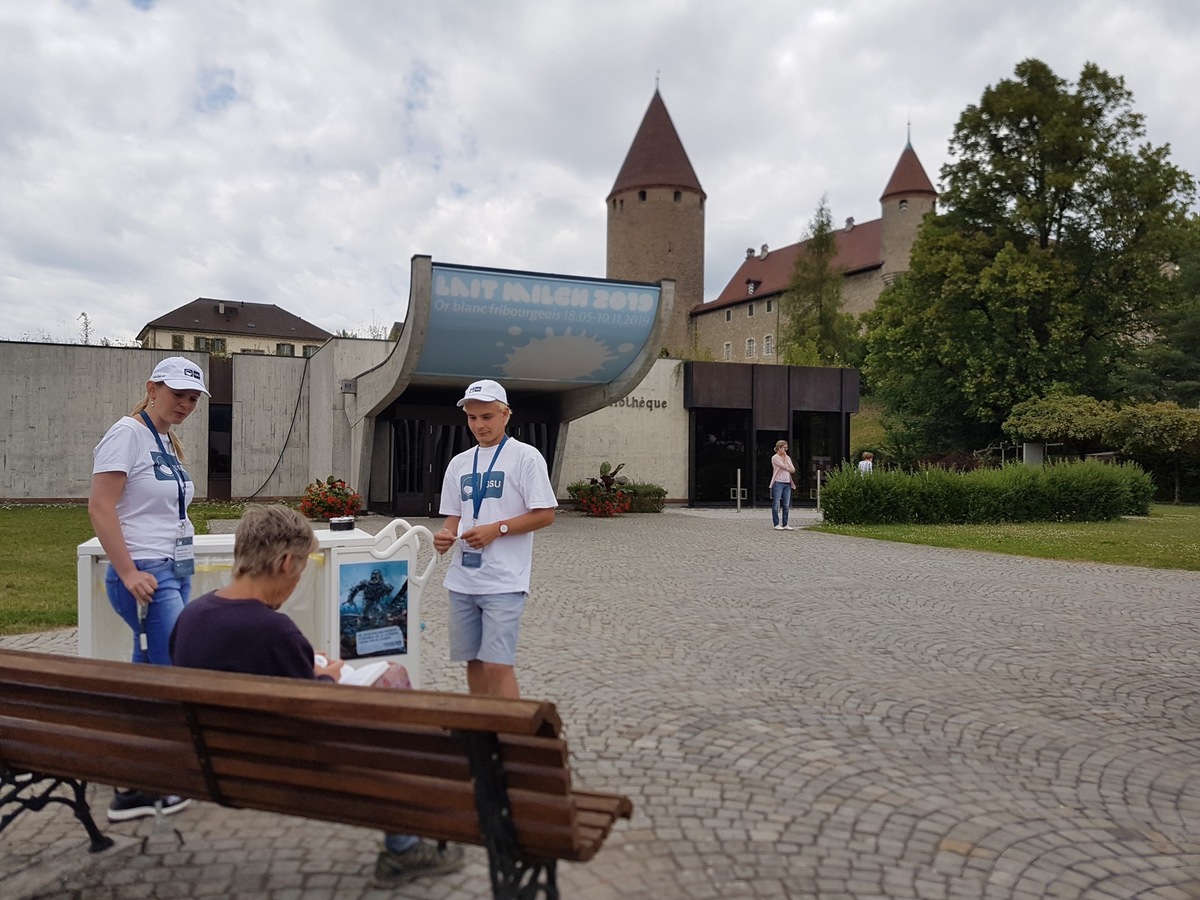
<point x="484" y="390"/>
<point x="180" y="374"/>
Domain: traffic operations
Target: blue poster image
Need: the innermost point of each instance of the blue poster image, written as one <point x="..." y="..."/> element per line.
<point x="373" y="608"/>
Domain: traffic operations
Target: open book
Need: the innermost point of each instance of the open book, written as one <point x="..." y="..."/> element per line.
<point x="366" y="674"/>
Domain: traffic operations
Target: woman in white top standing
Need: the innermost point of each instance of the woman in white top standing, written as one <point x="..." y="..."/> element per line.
<point x="782" y="470"/>
<point x="138" y="507"/>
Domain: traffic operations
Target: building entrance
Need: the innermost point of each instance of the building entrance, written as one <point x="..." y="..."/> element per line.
<point x="424" y="441"/>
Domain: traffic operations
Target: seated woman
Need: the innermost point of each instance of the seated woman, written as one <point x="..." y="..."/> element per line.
<point x="238" y="628"/>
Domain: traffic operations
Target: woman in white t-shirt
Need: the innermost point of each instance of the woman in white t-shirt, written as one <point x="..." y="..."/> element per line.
<point x="138" y="507"/>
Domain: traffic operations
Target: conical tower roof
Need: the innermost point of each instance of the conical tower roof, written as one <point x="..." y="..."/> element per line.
<point x="909" y="177"/>
<point x="656" y="158"/>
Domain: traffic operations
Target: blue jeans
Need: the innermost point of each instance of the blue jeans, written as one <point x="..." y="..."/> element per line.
<point x="781" y="496"/>
<point x="172" y="593"/>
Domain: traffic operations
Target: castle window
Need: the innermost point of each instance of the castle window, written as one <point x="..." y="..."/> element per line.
<point x="750" y="311"/>
<point x="768" y="306"/>
<point x="749" y="347"/>
<point x="903" y="205"/>
<point x="678" y="196"/>
<point x="769" y="345"/>
<point x="728" y="351"/>
<point x="729" y="315"/>
<point x="641" y="195"/>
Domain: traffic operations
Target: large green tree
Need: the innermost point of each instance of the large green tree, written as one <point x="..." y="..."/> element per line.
<point x="815" y="330"/>
<point x="1167" y="366"/>
<point x="1045" y="269"/>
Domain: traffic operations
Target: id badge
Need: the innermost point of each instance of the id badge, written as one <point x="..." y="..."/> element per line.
<point x="185" y="557"/>
<point x="472" y="559"/>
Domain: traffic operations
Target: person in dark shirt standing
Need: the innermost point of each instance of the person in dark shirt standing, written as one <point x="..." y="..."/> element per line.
<point x="238" y="628"/>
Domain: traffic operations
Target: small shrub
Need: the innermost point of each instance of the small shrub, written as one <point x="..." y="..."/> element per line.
<point x="612" y="494"/>
<point x="329" y="498"/>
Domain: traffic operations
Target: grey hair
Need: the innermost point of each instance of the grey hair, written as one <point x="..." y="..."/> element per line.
<point x="267" y="533"/>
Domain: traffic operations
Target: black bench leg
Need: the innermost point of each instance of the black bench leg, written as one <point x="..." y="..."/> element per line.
<point x="32" y="792"/>
<point x="513" y="876"/>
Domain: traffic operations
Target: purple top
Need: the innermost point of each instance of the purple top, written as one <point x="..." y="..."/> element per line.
<point x="240" y="636"/>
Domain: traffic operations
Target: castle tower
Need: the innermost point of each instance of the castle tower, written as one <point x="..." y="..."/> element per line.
<point x="909" y="195"/>
<point x="656" y="220"/>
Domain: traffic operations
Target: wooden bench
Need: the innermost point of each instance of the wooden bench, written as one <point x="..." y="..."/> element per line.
<point x="450" y="767"/>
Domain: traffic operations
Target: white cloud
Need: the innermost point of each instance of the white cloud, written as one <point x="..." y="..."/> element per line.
<point x="301" y="153"/>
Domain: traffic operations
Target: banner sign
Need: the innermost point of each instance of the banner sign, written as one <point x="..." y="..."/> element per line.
<point x="520" y="326"/>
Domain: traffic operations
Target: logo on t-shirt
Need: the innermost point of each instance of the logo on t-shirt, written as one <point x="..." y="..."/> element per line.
<point x="493" y="486"/>
<point x="165" y="466"/>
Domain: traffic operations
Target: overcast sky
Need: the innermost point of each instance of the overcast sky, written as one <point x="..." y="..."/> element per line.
<point x="301" y="152"/>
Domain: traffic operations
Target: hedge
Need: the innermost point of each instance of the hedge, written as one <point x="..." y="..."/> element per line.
<point x="1063" y="492"/>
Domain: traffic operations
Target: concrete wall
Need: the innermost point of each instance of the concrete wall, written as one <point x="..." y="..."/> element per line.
<point x="270" y="427"/>
<point x="60" y="399"/>
<point x="648" y="431"/>
<point x="292" y="421"/>
<point x="329" y="429"/>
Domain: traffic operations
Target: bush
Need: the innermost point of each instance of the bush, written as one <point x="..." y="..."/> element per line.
<point x="329" y="498"/>
<point x="645" y="497"/>
<point x="1075" y="491"/>
<point x="611" y="494"/>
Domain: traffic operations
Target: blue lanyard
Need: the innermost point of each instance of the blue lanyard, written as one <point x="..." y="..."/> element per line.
<point x="180" y="481"/>
<point x="477" y="492"/>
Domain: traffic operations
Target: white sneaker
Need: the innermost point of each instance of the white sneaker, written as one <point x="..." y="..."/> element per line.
<point x="778" y="527"/>
<point x="788" y="528"/>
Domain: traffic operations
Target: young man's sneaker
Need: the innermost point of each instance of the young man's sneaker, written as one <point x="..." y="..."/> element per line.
<point x="777" y="527"/>
<point x="394" y="869"/>
<point x="128" y="805"/>
<point x="788" y="528"/>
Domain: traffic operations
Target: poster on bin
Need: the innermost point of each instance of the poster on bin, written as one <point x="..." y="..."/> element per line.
<point x="372" y="607"/>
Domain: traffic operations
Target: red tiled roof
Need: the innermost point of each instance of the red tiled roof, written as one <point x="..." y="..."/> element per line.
<point x="238" y="317"/>
<point x="909" y="177"/>
<point x="656" y="158"/>
<point x="858" y="249"/>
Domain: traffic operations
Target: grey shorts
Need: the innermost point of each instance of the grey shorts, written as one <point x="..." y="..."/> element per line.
<point x="485" y="627"/>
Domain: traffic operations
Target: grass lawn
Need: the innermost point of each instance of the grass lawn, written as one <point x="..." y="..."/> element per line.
<point x="37" y="561"/>
<point x="1169" y="538"/>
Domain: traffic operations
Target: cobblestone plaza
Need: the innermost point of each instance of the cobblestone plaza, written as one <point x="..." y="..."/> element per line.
<point x="794" y="715"/>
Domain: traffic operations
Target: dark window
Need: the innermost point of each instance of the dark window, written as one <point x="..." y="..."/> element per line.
<point x="678" y="196"/>
<point x="729" y="315"/>
<point x="177" y="342"/>
<point x="310" y="349"/>
<point x="750" y="311"/>
<point x="285" y="349"/>
<point x="768" y="306"/>
<point x="212" y="345"/>
<point x="641" y="195"/>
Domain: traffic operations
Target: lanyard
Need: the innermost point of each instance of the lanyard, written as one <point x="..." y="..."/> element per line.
<point x="180" y="481"/>
<point x="477" y="492"/>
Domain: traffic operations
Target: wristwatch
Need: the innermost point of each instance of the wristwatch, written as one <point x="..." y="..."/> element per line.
<point x="504" y="528"/>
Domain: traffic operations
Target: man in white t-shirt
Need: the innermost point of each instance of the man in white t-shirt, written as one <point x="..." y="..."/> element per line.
<point x="494" y="497"/>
